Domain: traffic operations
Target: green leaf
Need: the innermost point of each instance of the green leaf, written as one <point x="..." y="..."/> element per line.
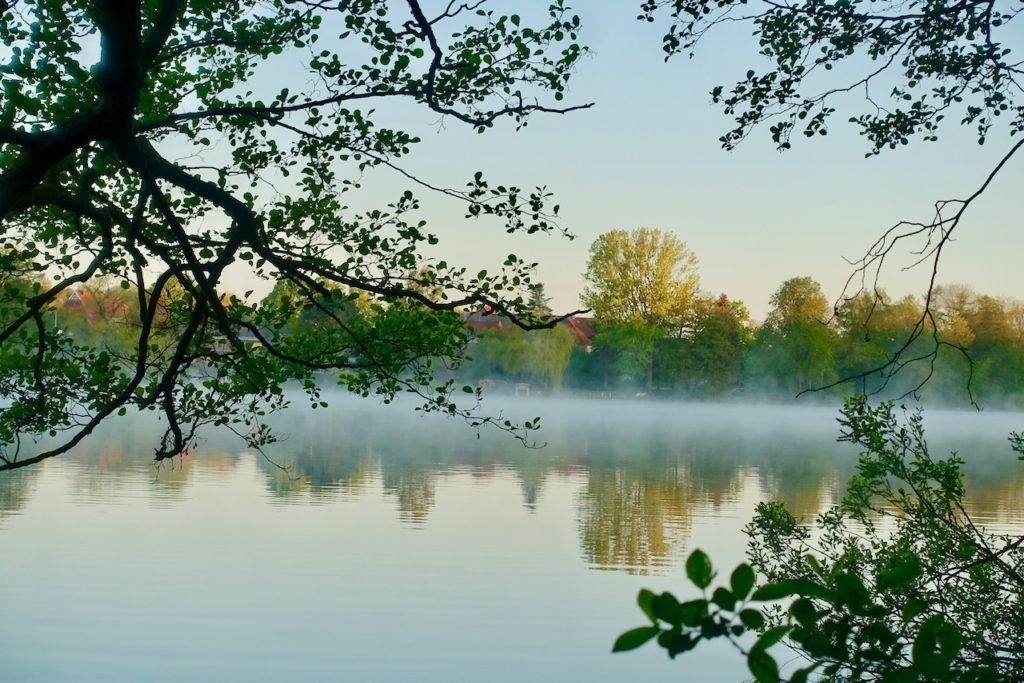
<point x="724" y="598"/>
<point x="742" y="581"/>
<point x="913" y="608"/>
<point x="666" y="607"/>
<point x="801" y="675"/>
<point x="679" y="643"/>
<point x="902" y="572"/>
<point x="631" y="640"/>
<point x="763" y="667"/>
<point x="924" y="645"/>
<point x="645" y="599"/>
<point x="691" y="613"/>
<point x="698" y="569"/>
<point x="771" y="592"/>
<point x="936" y="645"/>
<point x="950" y="640"/>
<point x="771" y="637"/>
<point x="850" y="590"/>
<point x="752" y="619"/>
<point x="803" y="611"/>
<point x="815" y="566"/>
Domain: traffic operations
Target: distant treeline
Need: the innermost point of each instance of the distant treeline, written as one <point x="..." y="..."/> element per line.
<point x="969" y="343"/>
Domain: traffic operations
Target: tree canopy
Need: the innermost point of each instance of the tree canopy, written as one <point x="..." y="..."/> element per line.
<point x="153" y="143"/>
<point x="644" y="275"/>
<point x="644" y="285"/>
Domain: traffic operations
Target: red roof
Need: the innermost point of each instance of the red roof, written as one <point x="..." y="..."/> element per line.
<point x="80" y="298"/>
<point x="584" y="331"/>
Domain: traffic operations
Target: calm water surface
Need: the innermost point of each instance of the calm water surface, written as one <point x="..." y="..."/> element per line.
<point x="403" y="548"/>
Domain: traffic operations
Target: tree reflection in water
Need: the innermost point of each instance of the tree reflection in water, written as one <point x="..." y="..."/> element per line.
<point x="635" y="519"/>
<point x="640" y="472"/>
<point x="15" y="489"/>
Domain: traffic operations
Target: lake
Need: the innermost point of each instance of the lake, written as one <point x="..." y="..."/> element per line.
<point x="400" y="547"/>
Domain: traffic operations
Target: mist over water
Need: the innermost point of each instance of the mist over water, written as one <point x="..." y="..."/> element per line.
<point x="395" y="546"/>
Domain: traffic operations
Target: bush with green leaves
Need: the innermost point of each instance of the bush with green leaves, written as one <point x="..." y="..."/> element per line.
<point x="897" y="583"/>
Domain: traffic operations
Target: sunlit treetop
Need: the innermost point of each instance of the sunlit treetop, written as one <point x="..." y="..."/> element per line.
<point x="645" y="275"/>
<point x="798" y="300"/>
<point x="158" y="143"/>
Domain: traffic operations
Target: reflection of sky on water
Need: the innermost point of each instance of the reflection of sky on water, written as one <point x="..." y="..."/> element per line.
<point x="395" y="548"/>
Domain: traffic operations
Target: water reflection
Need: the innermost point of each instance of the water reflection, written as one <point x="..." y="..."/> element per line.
<point x="635" y="518"/>
<point x="15" y="489"/>
<point x="643" y="472"/>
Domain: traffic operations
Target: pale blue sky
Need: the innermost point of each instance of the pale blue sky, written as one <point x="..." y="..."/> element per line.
<point x="647" y="155"/>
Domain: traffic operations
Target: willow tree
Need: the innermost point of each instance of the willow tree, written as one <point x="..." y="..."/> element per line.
<point x="644" y="284"/>
<point x="155" y="142"/>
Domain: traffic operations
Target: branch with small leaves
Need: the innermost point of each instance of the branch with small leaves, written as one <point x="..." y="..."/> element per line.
<point x="104" y="178"/>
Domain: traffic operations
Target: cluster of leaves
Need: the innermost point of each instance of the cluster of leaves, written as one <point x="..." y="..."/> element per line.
<point x="680" y="626"/>
<point x="834" y="620"/>
<point x="898" y="584"/>
<point x="179" y="156"/>
<point x="925" y="59"/>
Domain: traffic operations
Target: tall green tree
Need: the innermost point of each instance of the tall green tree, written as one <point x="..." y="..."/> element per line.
<point x="154" y="143"/>
<point x="645" y="283"/>
<point x="797" y="300"/>
<point x="996" y="352"/>
<point x="706" y="362"/>
<point x="983" y="354"/>
<point x="872" y="329"/>
<point x="794" y="351"/>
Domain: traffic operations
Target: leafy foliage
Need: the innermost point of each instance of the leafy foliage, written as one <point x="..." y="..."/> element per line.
<point x="646" y="275"/>
<point x="794" y="349"/>
<point x="180" y="154"/>
<point x="916" y="63"/>
<point x="707" y="361"/>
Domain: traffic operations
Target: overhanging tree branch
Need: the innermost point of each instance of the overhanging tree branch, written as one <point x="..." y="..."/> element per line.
<point x="88" y="193"/>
